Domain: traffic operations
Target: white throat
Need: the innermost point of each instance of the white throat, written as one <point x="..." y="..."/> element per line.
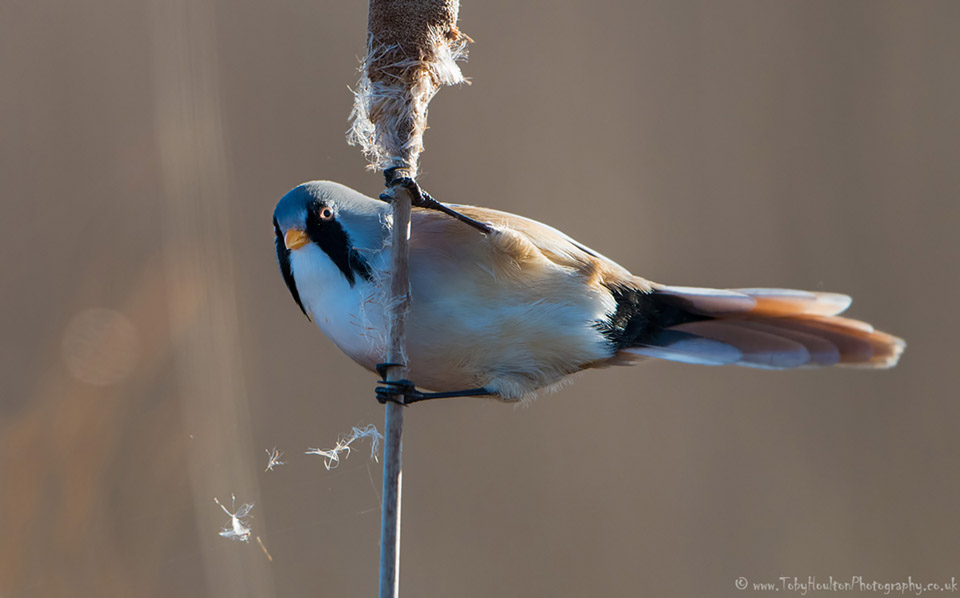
<point x="352" y="317"/>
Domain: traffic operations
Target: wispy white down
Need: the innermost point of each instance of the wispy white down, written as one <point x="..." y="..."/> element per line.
<point x="331" y="457"/>
<point x="273" y="459"/>
<point x="239" y="526"/>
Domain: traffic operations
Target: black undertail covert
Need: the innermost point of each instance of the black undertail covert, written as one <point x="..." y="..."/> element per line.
<point x="641" y="317"/>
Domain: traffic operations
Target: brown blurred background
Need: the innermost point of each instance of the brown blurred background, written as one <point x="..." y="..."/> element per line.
<point x="150" y="352"/>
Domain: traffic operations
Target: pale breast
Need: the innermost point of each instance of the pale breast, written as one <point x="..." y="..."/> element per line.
<point x="351" y="316"/>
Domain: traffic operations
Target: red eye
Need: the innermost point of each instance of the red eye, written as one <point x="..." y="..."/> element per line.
<point x="326" y="213"/>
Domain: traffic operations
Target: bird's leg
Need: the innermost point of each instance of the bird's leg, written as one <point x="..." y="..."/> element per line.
<point x="422" y="199"/>
<point x="404" y="392"/>
<point x="426" y="201"/>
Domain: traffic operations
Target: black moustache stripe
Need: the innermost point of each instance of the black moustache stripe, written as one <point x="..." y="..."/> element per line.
<point x="330" y="236"/>
<point x="283" y="256"/>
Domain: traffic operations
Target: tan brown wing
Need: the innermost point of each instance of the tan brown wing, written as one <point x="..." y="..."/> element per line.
<point x="522" y="241"/>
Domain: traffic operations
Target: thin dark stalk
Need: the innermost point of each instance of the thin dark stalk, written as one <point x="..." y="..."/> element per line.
<point x="393" y="417"/>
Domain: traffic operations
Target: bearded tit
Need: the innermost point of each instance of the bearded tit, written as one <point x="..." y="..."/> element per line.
<point x="522" y="307"/>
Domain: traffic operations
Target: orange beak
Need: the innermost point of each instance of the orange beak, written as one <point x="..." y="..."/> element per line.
<point x="295" y="239"/>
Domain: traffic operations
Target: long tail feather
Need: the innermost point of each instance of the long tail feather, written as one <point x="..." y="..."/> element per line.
<point x="766" y="328"/>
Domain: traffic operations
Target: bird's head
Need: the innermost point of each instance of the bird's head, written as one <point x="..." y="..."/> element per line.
<point x="328" y="228"/>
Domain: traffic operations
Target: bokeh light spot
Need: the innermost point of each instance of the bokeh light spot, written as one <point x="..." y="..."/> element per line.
<point x="100" y="346"/>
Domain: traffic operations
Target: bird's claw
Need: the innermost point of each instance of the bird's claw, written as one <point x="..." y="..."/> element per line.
<point x="418" y="197"/>
<point x="416" y="193"/>
<point x="397" y="391"/>
<point x="383" y="367"/>
<point x="394" y="177"/>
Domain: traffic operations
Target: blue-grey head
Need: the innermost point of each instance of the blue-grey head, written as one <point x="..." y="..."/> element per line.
<point x="343" y="223"/>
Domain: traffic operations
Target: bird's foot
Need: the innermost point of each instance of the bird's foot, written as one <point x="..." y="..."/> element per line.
<point x="401" y="392"/>
<point x="404" y="392"/>
<point x="422" y="199"/>
<point x="382" y="369"/>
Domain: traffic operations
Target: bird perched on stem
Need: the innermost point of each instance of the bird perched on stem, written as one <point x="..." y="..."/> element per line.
<point x="520" y="308"/>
